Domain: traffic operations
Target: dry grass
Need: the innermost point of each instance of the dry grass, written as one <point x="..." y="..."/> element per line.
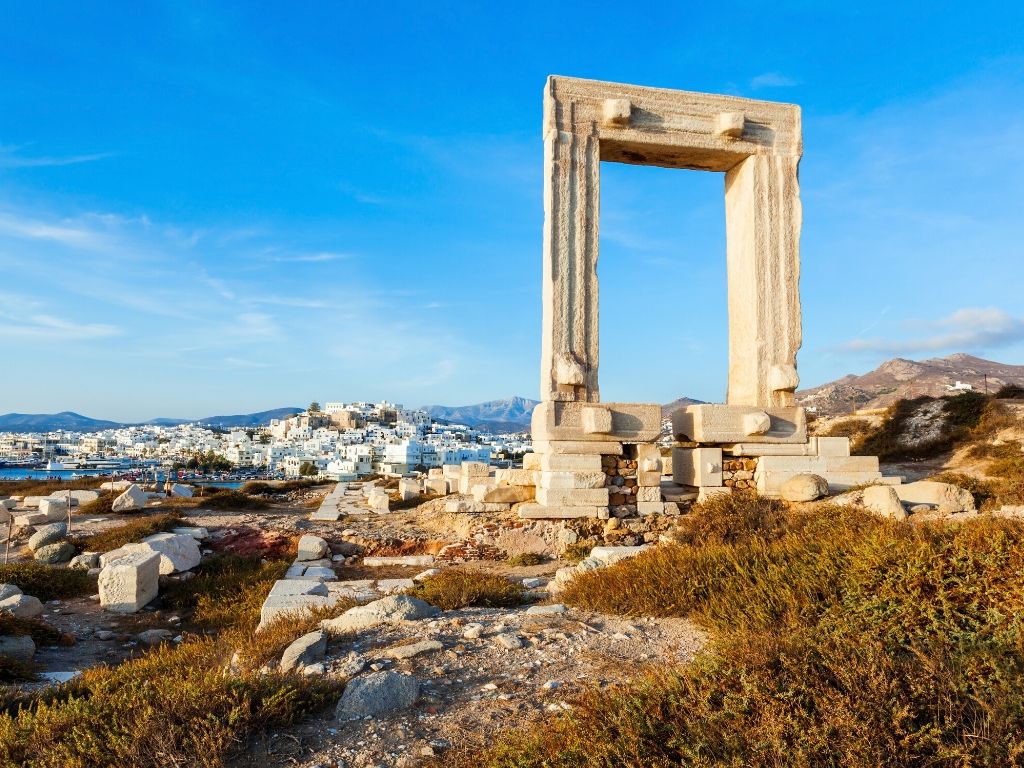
<point x="527" y="559"/>
<point x="262" y="488"/>
<point x="176" y="705"/>
<point x="47" y="582"/>
<point x="136" y="530"/>
<point x="46" y="487"/>
<point x="452" y="588"/>
<point x="841" y="640"/>
<point x="851" y="428"/>
<point x="40" y="632"/>
<point x="229" y="499"/>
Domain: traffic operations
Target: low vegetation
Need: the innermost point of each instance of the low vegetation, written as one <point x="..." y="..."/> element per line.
<point x="136" y="530"/>
<point x="40" y="632"/>
<point x="226" y="591"/>
<point x="451" y="589"/>
<point x="396" y="504"/>
<point x="46" y="487"/>
<point x="840" y="639"/>
<point x="228" y="499"/>
<point x="966" y="417"/>
<point x="527" y="559"/>
<point x="175" y="705"/>
<point x="101" y="507"/>
<point x="47" y="582"/>
<point x="261" y="488"/>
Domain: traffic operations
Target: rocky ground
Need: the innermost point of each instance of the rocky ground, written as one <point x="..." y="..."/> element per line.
<point x="479" y="670"/>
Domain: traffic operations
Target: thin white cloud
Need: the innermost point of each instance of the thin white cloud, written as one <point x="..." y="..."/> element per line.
<point x="772" y="80"/>
<point x="289" y="301"/>
<point x="313" y="257"/>
<point x="64" y="233"/>
<point x="964" y="330"/>
<point x="48" y="327"/>
<point x="9" y="158"/>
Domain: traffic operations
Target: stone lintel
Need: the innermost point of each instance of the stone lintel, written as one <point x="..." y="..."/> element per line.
<point x="732" y="424"/>
<point x="578" y="421"/>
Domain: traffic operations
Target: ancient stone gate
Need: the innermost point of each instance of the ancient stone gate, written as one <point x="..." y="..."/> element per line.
<point x="590" y="456"/>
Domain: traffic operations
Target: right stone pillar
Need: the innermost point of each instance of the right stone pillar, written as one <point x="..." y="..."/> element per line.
<point x="763" y="218"/>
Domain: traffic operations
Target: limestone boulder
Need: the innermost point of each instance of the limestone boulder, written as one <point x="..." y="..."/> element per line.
<point x="883" y="501"/>
<point x="58" y="552"/>
<point x="85" y="561"/>
<point x="387" y="610"/>
<point x="133" y="499"/>
<point x="312" y="548"/>
<point x="19" y="647"/>
<point x="47" y="534"/>
<point x="804" y="487"/>
<point x="53" y="508"/>
<point x="22" y="606"/>
<point x="181" y="491"/>
<point x="130" y="582"/>
<point x="9" y="590"/>
<point x="115" y="485"/>
<point x="178" y="551"/>
<point x="376" y="693"/>
<point x="950" y="499"/>
<point x="308" y="649"/>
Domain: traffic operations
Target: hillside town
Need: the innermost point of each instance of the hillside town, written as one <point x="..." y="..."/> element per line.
<point x="341" y="441"/>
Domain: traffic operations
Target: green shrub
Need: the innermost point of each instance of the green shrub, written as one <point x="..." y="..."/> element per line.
<point x="451" y="589"/>
<point x="965" y="416"/>
<point x="47" y="582"/>
<point x="136" y="530"/>
<point x="1010" y="392"/>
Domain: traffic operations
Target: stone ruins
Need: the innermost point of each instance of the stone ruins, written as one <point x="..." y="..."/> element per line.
<point x="595" y="459"/>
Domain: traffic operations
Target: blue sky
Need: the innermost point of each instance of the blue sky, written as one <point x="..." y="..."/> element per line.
<point x="225" y="207"/>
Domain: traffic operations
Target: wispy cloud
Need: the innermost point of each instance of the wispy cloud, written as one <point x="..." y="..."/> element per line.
<point x="48" y="327"/>
<point x="312" y="257"/>
<point x="9" y="158"/>
<point x="66" y="233"/>
<point x="772" y="80"/>
<point x="964" y="330"/>
<point x="288" y="301"/>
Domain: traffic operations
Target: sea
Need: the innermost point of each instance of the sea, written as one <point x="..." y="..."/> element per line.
<point x="22" y="473"/>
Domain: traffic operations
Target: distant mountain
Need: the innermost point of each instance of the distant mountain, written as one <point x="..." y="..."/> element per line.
<point x="47" y="422"/>
<point x="509" y="415"/>
<point x="669" y="408"/>
<point x="900" y="378"/>
<point x="74" y="422"/>
<point x="250" y="419"/>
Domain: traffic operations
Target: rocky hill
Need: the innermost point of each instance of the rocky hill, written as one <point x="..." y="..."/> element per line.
<point x="511" y="414"/>
<point x="901" y="378"/>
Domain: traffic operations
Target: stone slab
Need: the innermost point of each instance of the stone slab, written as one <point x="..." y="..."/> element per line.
<point x="572" y="497"/>
<point x="565" y="479"/>
<point x="568" y="462"/>
<point x="548" y="447"/>
<point x="541" y="512"/>
<point x="699" y="467"/>
<point x="728" y="424"/>
<point x="596" y="422"/>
